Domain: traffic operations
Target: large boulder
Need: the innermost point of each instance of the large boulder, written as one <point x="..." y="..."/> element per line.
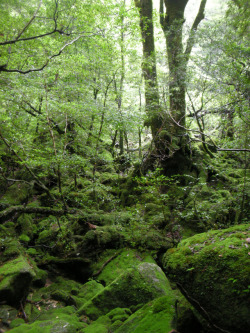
<point x="212" y="270"/>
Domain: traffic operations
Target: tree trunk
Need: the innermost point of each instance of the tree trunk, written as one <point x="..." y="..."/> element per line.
<point x="149" y="66"/>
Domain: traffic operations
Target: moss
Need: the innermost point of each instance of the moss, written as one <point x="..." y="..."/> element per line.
<point x="101" y="238"/>
<point x="156" y="316"/>
<point x="121" y="262"/>
<point x="213" y="268"/>
<point x="16" y="277"/>
<point x="25" y="222"/>
<point x="94" y="328"/>
<point x="24" y="238"/>
<point x="55" y="320"/>
<point x="16" y="194"/>
<point x="60" y="293"/>
<point x="7" y="313"/>
<point x="17" y="322"/>
<point x="11" y="248"/>
<point x="135" y="286"/>
<point x="32" y="251"/>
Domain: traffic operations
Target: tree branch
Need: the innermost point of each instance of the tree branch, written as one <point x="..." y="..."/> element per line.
<point x="203" y="134"/>
<point x="39" y="183"/>
<point x="7" y="213"/>
<point x="4" y="69"/>
<point x="199" y="17"/>
<point x="30" y="21"/>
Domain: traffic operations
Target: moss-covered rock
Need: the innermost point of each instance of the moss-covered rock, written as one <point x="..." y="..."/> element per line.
<point x="54" y="321"/>
<point x="113" y="263"/>
<point x="16" y="276"/>
<point x="212" y="270"/>
<point x="156" y="316"/>
<point x="100" y="239"/>
<point x="25" y="223"/>
<point x="60" y="293"/>
<point x="135" y="286"/>
<point x="7" y="315"/>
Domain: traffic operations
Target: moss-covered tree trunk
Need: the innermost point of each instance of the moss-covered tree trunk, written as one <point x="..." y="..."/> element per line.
<point x="172" y="20"/>
<point x="149" y="66"/>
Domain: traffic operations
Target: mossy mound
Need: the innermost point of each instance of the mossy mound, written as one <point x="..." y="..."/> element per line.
<point x="110" y="322"/>
<point x="54" y="321"/>
<point x="16" y="276"/>
<point x="157" y="316"/>
<point x="115" y="262"/>
<point x="100" y="239"/>
<point x="137" y="285"/>
<point x="60" y="293"/>
<point x="212" y="270"/>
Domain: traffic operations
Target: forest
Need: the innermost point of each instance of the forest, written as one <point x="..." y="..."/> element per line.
<point x="124" y="166"/>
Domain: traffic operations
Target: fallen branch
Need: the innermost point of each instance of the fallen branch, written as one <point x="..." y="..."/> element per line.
<point x="8" y="212"/>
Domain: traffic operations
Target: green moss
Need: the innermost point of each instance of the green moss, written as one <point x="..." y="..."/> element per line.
<point x="17" y="322"/>
<point x="25" y="221"/>
<point x="135" y="286"/>
<point x="16" y="194"/>
<point x="156" y="316"/>
<point x="11" y="248"/>
<point x="32" y="251"/>
<point x="214" y="270"/>
<point x="94" y="328"/>
<point x="16" y="276"/>
<point x="54" y="321"/>
<point x="24" y="238"/>
<point x="121" y="262"/>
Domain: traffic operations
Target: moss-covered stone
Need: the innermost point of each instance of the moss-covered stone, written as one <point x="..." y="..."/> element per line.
<point x="112" y="263"/>
<point x="156" y="316"/>
<point x="10" y="248"/>
<point x="17" y="322"/>
<point x="7" y="315"/>
<point x="16" y="276"/>
<point x="16" y="194"/>
<point x="25" y="223"/>
<point x="137" y="285"/>
<point x="101" y="238"/>
<point x="62" y="320"/>
<point x="212" y="269"/>
<point x="62" y="292"/>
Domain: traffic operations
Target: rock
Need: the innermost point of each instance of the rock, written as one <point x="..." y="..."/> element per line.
<point x="212" y="270"/>
<point x="62" y="320"/>
<point x="60" y="293"/>
<point x="157" y="316"/>
<point x="7" y="315"/>
<point x="137" y="285"/>
<point x="16" y="276"/>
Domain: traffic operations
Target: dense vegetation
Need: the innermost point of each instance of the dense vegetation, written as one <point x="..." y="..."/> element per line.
<point x="124" y="163"/>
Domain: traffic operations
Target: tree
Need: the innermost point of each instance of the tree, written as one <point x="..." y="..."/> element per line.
<point x="152" y="100"/>
<point x="172" y="20"/>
